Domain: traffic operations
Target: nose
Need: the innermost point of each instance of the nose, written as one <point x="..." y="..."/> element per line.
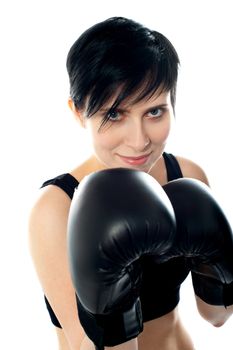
<point x="136" y="136"/>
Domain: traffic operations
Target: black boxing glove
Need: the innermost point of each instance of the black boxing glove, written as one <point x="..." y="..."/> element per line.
<point x="204" y="237"/>
<point x="116" y="216"/>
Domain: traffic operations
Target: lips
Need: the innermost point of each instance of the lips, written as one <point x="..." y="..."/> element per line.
<point x="135" y="160"/>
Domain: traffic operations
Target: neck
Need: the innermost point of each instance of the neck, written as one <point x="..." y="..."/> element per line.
<point x="90" y="165"/>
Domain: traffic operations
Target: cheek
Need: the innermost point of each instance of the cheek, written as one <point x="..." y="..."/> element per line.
<point x="106" y="139"/>
<point x="159" y="133"/>
<point x="166" y="131"/>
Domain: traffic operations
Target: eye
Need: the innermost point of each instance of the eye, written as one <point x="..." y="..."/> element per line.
<point x="114" y="115"/>
<point x="156" y="112"/>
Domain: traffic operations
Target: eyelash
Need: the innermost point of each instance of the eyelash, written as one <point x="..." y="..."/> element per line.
<point x="160" y="109"/>
<point x="108" y="115"/>
<point x="118" y="119"/>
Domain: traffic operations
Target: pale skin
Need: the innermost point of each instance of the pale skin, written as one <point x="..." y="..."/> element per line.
<point x="141" y="128"/>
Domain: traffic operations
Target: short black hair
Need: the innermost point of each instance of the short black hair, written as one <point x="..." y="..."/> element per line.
<point x="120" y="55"/>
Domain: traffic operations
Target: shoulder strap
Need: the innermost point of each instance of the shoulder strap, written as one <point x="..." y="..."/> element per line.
<point x="66" y="182"/>
<point x="172" y="166"/>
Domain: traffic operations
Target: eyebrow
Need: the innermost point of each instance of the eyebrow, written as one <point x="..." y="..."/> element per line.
<point x="119" y="109"/>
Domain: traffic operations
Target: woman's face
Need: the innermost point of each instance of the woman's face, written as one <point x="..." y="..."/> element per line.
<point x="136" y="134"/>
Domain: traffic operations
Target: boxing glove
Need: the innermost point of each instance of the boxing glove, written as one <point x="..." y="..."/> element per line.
<point x="204" y="237"/>
<point x="116" y="216"/>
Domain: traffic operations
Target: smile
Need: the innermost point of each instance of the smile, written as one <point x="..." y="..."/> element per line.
<point x="135" y="160"/>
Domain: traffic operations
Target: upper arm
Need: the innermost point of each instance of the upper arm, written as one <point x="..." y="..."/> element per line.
<point x="48" y="245"/>
<point x="192" y="170"/>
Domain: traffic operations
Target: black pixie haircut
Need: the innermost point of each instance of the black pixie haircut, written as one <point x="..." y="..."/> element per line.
<point x="120" y="56"/>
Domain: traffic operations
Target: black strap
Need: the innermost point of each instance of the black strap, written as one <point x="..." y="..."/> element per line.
<point x="65" y="181"/>
<point x="172" y="166"/>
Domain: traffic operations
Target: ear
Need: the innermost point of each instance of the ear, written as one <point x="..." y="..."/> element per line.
<point x="77" y="113"/>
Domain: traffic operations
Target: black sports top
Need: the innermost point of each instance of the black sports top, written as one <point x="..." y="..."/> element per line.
<point x="159" y="293"/>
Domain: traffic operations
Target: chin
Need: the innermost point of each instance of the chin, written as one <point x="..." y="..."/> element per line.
<point x="144" y="168"/>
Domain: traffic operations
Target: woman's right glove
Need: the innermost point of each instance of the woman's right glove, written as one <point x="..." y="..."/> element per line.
<point x="116" y="217"/>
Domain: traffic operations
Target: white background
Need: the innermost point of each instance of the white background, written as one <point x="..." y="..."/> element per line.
<point x="39" y="138"/>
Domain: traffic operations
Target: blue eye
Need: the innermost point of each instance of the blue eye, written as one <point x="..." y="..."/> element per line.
<point x="113" y="115"/>
<point x="155" y="113"/>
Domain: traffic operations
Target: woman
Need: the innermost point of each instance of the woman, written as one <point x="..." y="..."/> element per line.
<point x="122" y="91"/>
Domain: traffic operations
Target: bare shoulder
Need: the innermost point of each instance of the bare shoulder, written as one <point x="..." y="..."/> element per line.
<point x="51" y="202"/>
<point x="192" y="169"/>
<point x="48" y="221"/>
